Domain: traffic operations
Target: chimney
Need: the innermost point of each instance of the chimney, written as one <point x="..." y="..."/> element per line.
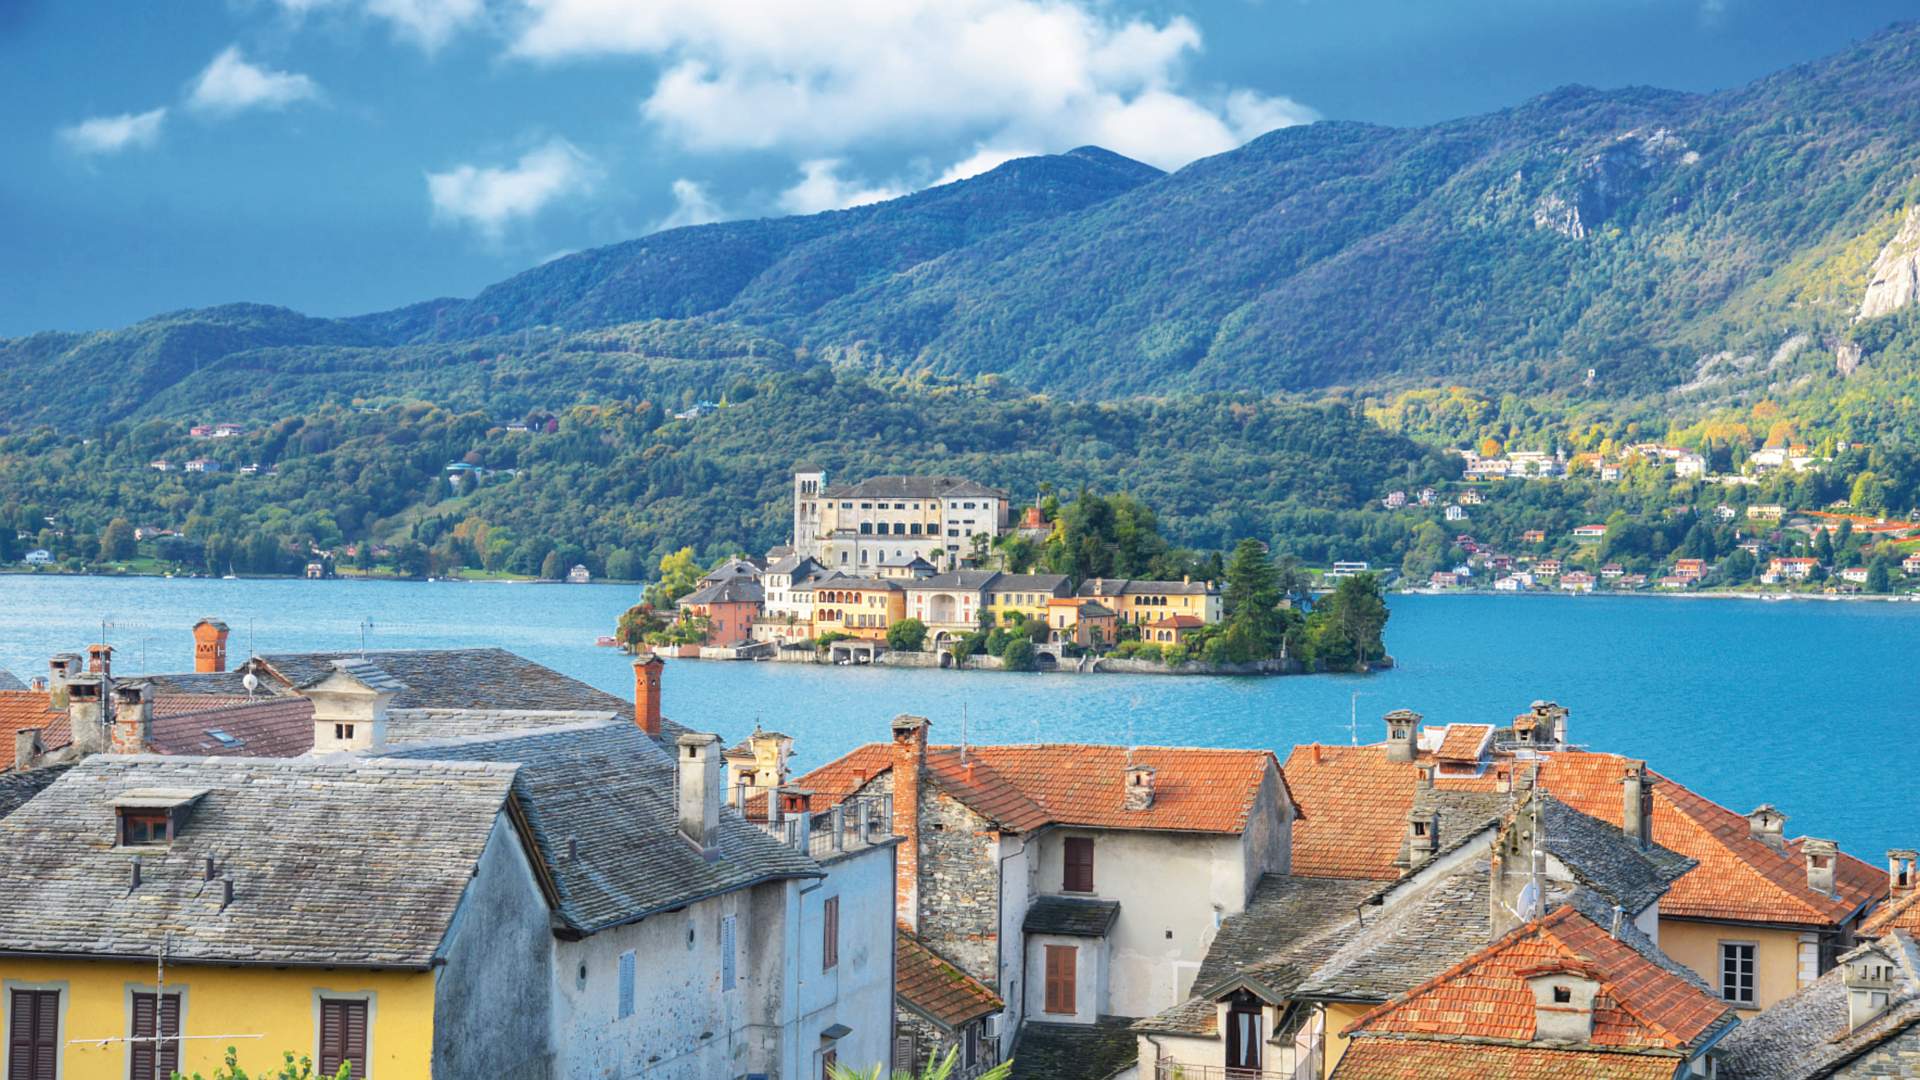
<point x="1562" y="1002"/>
<point x="1901" y="869"/>
<point x="350" y="707"/>
<point x="799" y="803"/>
<point x="1820" y="856"/>
<point x="1516" y="883"/>
<point x="646" y="693"/>
<point x="909" y="758"/>
<point x="1769" y="826"/>
<point x="1423" y="837"/>
<point x="209" y="646"/>
<point x="100" y="660"/>
<point x="1403" y="734"/>
<point x="61" y="668"/>
<point x="87" y="714"/>
<point x="132" y="718"/>
<point x="1139" y="792"/>
<point x="1869" y="980"/>
<point x="699" y="756"/>
<point x="26" y="748"/>
<point x="1636" y="803"/>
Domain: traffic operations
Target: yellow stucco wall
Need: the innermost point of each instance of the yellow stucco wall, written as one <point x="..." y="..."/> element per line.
<point x="1338" y="1017"/>
<point x="1776" y="961"/>
<point x="281" y="1005"/>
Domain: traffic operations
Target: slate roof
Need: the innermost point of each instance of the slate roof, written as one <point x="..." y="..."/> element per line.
<point x="955" y="580"/>
<point x="937" y="989"/>
<point x="429" y="725"/>
<point x="229" y="684"/>
<point x="1427" y="1059"/>
<point x="606" y="791"/>
<point x="735" y="567"/>
<point x="17" y="786"/>
<point x="1806" y="1035"/>
<point x="1025" y="787"/>
<point x="1072" y="916"/>
<point x="1607" y="860"/>
<point x="1093" y="1051"/>
<point x="732" y="590"/>
<point x="847" y="581"/>
<point x="912" y="487"/>
<point x="309" y="845"/>
<point x="263" y="727"/>
<point x="488" y="678"/>
<point x="1125" y="586"/>
<point x="23" y="709"/>
<point x="1046" y="583"/>
<point x="1409" y="942"/>
<point x="1641" y="1005"/>
<point x="792" y="564"/>
<point x="10" y="681"/>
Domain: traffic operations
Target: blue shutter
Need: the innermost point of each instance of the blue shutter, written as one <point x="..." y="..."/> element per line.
<point x="727" y="949"/>
<point x="626" y="984"/>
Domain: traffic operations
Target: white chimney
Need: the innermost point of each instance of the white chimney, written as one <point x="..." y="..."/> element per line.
<point x="1403" y="735"/>
<point x="1901" y="867"/>
<point x="1769" y="826"/>
<point x="350" y="706"/>
<point x="699" y="781"/>
<point x="1821" y="856"/>
<point x="1870" y="984"/>
<point x="1562" y="1004"/>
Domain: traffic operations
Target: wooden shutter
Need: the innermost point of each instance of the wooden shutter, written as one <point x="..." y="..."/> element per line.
<point x="903" y="1053"/>
<point x="1060" y="975"/>
<point x="830" y="934"/>
<point x="150" y="1057"/>
<point x="343" y="1037"/>
<point x="1079" y="865"/>
<point x="33" y="1035"/>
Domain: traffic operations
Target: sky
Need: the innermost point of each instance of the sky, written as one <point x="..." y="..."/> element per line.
<point x="347" y="156"/>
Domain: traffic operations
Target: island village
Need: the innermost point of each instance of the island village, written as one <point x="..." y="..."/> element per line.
<point x="460" y="863"/>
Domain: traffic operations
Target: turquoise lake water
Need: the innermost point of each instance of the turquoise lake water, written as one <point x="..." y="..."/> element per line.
<point x="1810" y="706"/>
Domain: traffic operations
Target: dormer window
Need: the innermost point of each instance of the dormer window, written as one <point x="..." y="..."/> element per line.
<point x="1563" y="995"/>
<point x="144" y="828"/>
<point x="152" y="817"/>
<point x="343" y="732"/>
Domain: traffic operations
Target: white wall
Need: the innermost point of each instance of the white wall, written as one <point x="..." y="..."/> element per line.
<point x="1091" y="974"/>
<point x="1016" y="889"/>
<point x="858" y="990"/>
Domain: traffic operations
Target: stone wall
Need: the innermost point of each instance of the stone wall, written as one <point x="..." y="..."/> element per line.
<point x="959" y="879"/>
<point x="1899" y="1056"/>
<point x="928" y="1040"/>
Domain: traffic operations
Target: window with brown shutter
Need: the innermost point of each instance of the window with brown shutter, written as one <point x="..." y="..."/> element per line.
<point x="830" y="934"/>
<point x="1079" y="860"/>
<point x="1060" y="997"/>
<point x="343" y="1036"/>
<point x="156" y="1020"/>
<point x="33" y="1035"/>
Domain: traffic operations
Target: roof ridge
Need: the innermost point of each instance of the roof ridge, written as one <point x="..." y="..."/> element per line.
<point x="1459" y="967"/>
<point x="1608" y="982"/>
<point x="1742" y="851"/>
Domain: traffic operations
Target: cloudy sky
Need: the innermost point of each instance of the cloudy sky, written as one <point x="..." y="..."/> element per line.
<point x="344" y="156"/>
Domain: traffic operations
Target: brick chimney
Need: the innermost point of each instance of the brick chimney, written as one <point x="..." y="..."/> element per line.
<point x="699" y="776"/>
<point x="909" y="758"/>
<point x="132" y="718"/>
<point x="209" y="646"/>
<point x="1139" y="793"/>
<point x="1902" y="864"/>
<point x="1769" y="826"/>
<point x="1636" y="803"/>
<point x="1820" y="856"/>
<point x="100" y="659"/>
<point x="646" y="693"/>
<point x="1403" y="735"/>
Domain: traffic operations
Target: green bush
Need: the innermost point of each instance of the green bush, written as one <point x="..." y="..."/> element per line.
<point x="907" y="635"/>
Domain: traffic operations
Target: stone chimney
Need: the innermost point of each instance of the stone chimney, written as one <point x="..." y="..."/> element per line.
<point x="699" y="757"/>
<point x="132" y="718"/>
<point x="1869" y="980"/>
<point x="100" y="660"/>
<point x="1901" y="869"/>
<point x="1517" y="877"/>
<point x="1423" y="837"/>
<point x="1543" y="726"/>
<point x="909" y="759"/>
<point x="1403" y="735"/>
<point x="1769" y="826"/>
<point x="1636" y="803"/>
<point x="350" y="707"/>
<point x="209" y="646"/>
<point x="1820" y="856"/>
<point x="1562" y="1002"/>
<point x="27" y="748"/>
<point x="87" y="713"/>
<point x="646" y="693"/>
<point x="61" y="669"/>
<point x="1139" y="792"/>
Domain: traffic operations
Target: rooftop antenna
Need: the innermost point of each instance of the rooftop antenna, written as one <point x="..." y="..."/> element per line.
<point x="963" y="733"/>
<point x="1353" y="716"/>
<point x="366" y="628"/>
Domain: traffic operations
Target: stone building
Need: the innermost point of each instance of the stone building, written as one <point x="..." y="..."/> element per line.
<point x="855" y="528"/>
<point x="1862" y="1019"/>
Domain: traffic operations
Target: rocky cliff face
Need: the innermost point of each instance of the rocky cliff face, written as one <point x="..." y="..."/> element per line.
<point x="1896" y="273"/>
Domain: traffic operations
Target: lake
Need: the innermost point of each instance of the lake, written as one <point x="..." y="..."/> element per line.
<point x="1807" y="705"/>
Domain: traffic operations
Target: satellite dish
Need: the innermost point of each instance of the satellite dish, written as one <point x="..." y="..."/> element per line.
<point x="251" y="682"/>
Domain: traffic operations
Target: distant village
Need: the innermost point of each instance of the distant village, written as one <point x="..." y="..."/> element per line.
<point x="459" y="863"/>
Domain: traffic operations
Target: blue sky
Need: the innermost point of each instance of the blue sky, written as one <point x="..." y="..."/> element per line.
<point x="345" y="156"/>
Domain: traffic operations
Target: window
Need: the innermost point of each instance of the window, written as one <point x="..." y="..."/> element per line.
<point x="970" y="1052"/>
<point x="1079" y="865"/>
<point x="1736" y="971"/>
<point x="828" y="1058"/>
<point x="728" y="947"/>
<point x="33" y="1035"/>
<point x="343" y="732"/>
<point x="905" y="1051"/>
<point x="156" y="1020"/>
<point x="626" y="984"/>
<point x="830" y="933"/>
<point x="1562" y="995"/>
<point x="143" y="827"/>
<point x="1061" y="960"/>
<point x="343" y="1036"/>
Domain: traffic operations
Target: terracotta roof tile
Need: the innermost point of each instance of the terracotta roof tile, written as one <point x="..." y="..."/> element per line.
<point x="937" y="989"/>
<point x="23" y="709"/>
<point x="1464" y="742"/>
<point x="166" y="703"/>
<point x="264" y="727"/>
<point x="1899" y="914"/>
<point x="1640" y="1005"/>
<point x="1426" y="1059"/>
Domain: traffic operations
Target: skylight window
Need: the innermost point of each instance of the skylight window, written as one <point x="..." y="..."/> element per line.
<point x="225" y="738"/>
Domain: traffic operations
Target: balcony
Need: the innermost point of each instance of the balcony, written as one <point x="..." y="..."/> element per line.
<point x="1174" y="1070"/>
<point x="854" y="824"/>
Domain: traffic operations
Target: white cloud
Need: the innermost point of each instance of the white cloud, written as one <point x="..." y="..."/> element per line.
<point x="693" y="204"/>
<point x="112" y="134"/>
<point x="489" y="198"/>
<point x="821" y="187"/>
<point x="818" y="76"/>
<point x="427" y="23"/>
<point x="231" y="84"/>
<point x="983" y="159"/>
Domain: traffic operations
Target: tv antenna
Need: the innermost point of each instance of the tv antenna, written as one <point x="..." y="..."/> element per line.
<point x="1353" y="716"/>
<point x="366" y="629"/>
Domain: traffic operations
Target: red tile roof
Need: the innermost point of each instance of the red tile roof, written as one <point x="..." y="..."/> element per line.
<point x="1423" y="1059"/>
<point x="167" y="704"/>
<point x="1026" y="787"/>
<point x="1900" y="914"/>
<point x="1178" y="622"/>
<point x="1640" y="1005"/>
<point x="23" y="709"/>
<point x="263" y="727"/>
<point x="936" y="989"/>
<point x="1355" y="802"/>
<point x="1464" y="742"/>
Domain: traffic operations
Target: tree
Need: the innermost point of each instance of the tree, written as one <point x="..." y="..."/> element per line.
<point x="1353" y="620"/>
<point x="1879" y="575"/>
<point x="1018" y="654"/>
<point x="1252" y="600"/>
<point x="907" y="635"/>
<point x="1823" y="548"/>
<point x="553" y="567"/>
<point x="679" y="573"/>
<point x="116" y="541"/>
<point x="624" y="565"/>
<point x="289" y="1070"/>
